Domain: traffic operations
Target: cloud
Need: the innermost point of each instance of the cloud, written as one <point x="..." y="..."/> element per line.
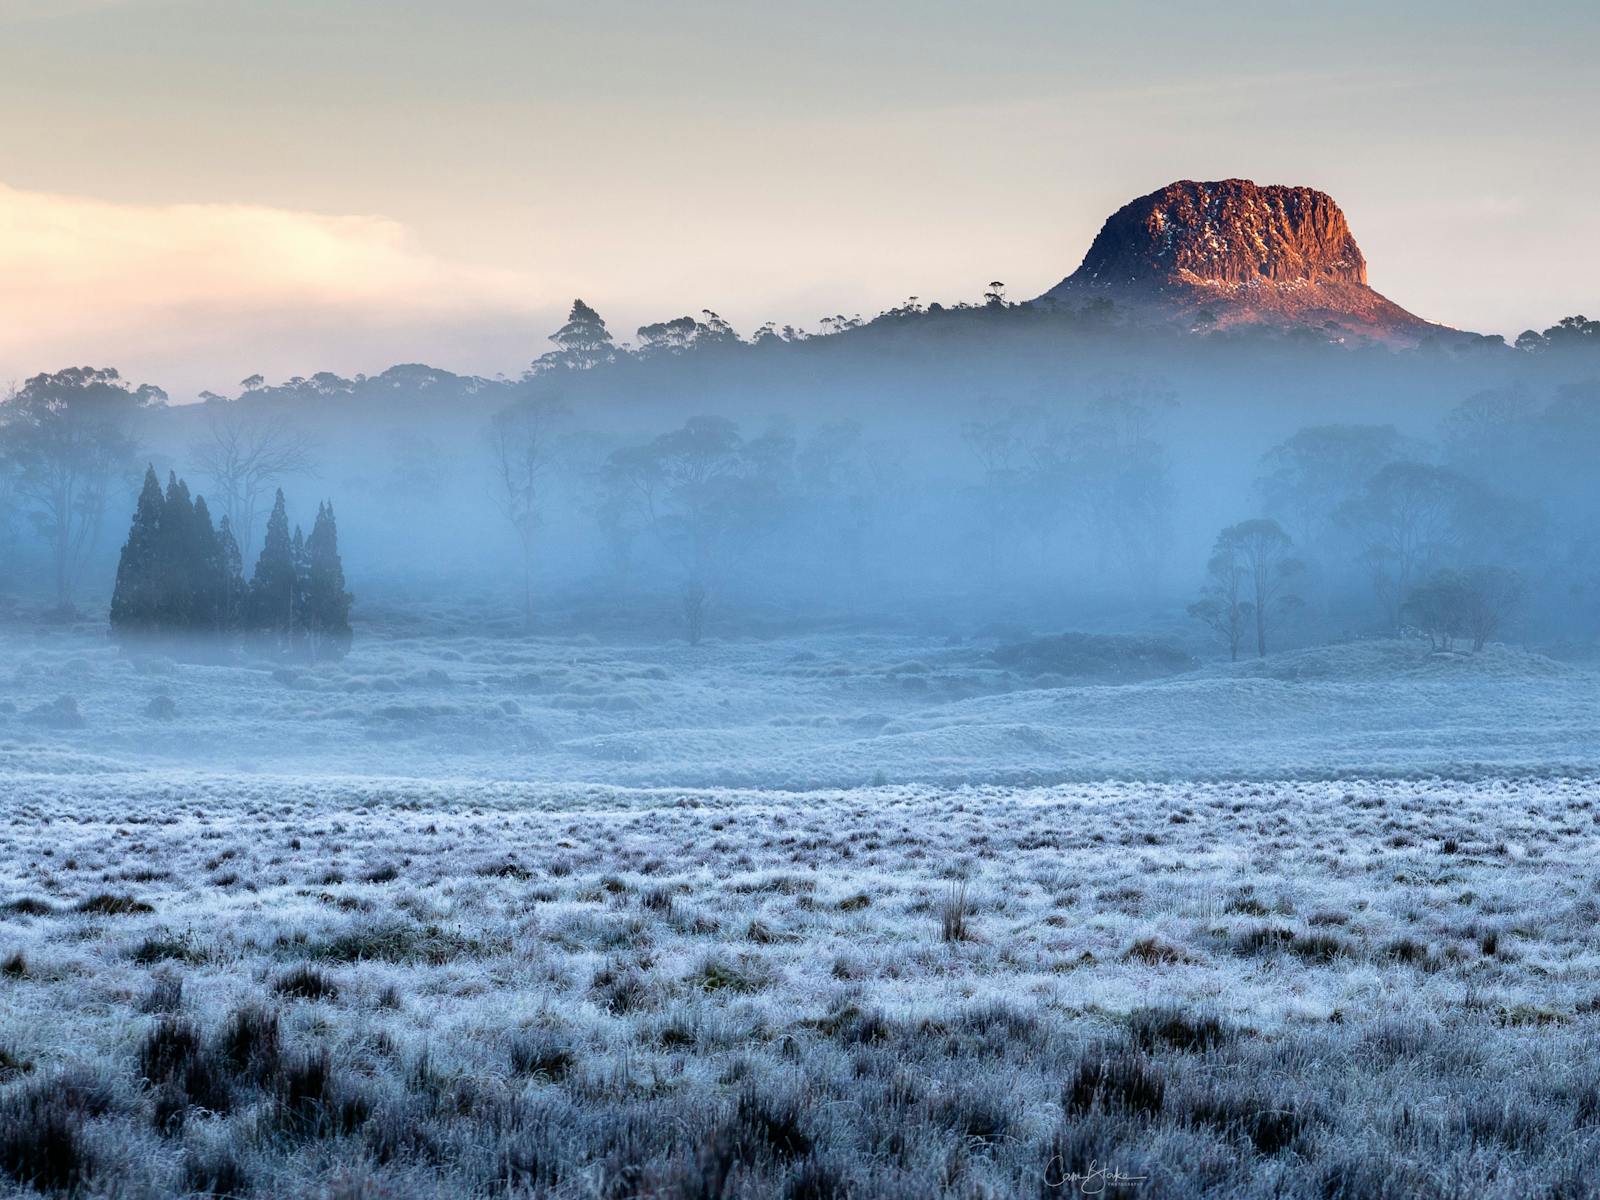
<point x="86" y="280"/>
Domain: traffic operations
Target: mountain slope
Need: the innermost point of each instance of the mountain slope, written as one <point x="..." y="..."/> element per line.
<point x="1232" y="253"/>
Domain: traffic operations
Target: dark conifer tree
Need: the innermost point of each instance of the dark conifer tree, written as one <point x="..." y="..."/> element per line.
<point x="207" y="572"/>
<point x="327" y="604"/>
<point x="299" y="635"/>
<point x="133" y="601"/>
<point x="230" y="612"/>
<point x="179" y="574"/>
<point x="175" y="593"/>
<point x="274" y="589"/>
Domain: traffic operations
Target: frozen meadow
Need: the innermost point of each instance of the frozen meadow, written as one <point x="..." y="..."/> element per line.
<point x="833" y="915"/>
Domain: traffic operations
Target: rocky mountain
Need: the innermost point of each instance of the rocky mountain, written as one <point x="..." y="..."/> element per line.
<point x="1235" y="253"/>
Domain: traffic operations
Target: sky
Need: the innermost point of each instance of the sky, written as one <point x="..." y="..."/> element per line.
<point x="194" y="191"/>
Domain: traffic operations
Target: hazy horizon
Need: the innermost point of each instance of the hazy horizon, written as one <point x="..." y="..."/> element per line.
<point x="201" y="193"/>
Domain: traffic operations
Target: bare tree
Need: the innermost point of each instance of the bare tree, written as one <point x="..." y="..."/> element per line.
<point x="1264" y="551"/>
<point x="522" y="446"/>
<point x="1493" y="596"/>
<point x="1222" y="604"/>
<point x="1408" y="514"/>
<point x="246" y="456"/>
<point x="702" y="491"/>
<point x="67" y="438"/>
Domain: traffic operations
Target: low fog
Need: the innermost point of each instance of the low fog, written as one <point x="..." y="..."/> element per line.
<point x="966" y="471"/>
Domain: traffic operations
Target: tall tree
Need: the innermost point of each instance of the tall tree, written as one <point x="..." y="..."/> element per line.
<point x="327" y="604"/>
<point x="1304" y="480"/>
<point x="209" y="568"/>
<point x="1264" y="553"/>
<point x="700" y="490"/>
<point x="523" y="451"/>
<point x="133" y="600"/>
<point x="1408" y="516"/>
<point x="274" y="587"/>
<point x="1223" y="605"/>
<point x="68" y="437"/>
<point x="178" y="568"/>
<point x="230" y="614"/>
<point x="584" y="341"/>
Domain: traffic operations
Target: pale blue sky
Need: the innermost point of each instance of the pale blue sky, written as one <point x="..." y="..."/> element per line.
<point x="360" y="181"/>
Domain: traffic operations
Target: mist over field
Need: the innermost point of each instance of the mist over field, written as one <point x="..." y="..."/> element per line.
<point x="996" y="750"/>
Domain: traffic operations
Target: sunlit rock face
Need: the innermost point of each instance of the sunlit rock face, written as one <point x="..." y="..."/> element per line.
<point x="1237" y="253"/>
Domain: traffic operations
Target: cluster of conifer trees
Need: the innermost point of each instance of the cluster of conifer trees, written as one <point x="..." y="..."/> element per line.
<point x="180" y="576"/>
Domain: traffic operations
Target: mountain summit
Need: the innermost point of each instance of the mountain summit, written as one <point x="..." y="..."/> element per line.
<point x="1237" y="253"/>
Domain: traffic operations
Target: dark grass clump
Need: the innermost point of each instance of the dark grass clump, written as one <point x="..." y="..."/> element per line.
<point x="1517" y="1127"/>
<point x="1318" y="947"/>
<point x="1270" y="1127"/>
<point x="620" y="987"/>
<point x="306" y="983"/>
<point x="1357" y="1175"/>
<point x="250" y="1044"/>
<point x="184" y="1072"/>
<point x="108" y="904"/>
<point x="1115" y="1079"/>
<point x="543" y="1053"/>
<point x="1155" y="952"/>
<point x="314" y="1100"/>
<point x="818" y="1178"/>
<point x="12" y="1065"/>
<point x="41" y="1140"/>
<point x="165" y="995"/>
<point x="29" y="906"/>
<point x="1260" y="939"/>
<point x="851" y="1025"/>
<point x="216" y="1173"/>
<point x="980" y="1113"/>
<point x="166" y="948"/>
<point x="772" y="1121"/>
<point x="15" y="965"/>
<point x="955" y="915"/>
<point x="1170" y="1027"/>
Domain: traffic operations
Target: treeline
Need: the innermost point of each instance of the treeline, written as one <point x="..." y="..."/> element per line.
<point x="180" y="576"/>
<point x="1442" y="538"/>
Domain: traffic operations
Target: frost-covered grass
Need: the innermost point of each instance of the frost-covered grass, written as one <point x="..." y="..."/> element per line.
<point x="279" y="987"/>
<point x="477" y="916"/>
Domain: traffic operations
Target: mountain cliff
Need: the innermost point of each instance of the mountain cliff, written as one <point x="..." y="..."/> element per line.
<point x="1233" y="253"/>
